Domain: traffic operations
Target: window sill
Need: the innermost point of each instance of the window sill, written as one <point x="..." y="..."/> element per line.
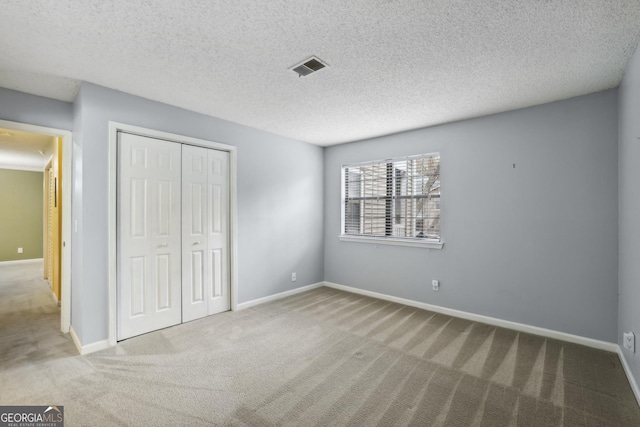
<point x="391" y="241"/>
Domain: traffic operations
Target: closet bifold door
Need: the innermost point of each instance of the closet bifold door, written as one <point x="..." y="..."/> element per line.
<point x="205" y="236"/>
<point x="205" y="206"/>
<point x="219" y="297"/>
<point x="148" y="228"/>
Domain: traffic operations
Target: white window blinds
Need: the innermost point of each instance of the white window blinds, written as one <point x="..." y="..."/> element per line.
<point x="395" y="198"/>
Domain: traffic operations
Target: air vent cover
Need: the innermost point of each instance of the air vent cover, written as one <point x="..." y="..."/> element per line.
<point x="309" y="66"/>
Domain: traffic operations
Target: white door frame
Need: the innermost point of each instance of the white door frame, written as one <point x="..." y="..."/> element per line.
<point x="114" y="127"/>
<point x="65" y="273"/>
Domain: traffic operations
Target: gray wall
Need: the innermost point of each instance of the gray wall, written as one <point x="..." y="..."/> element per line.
<point x="280" y="190"/>
<point x="535" y="244"/>
<point x="35" y="110"/>
<point x="629" y="208"/>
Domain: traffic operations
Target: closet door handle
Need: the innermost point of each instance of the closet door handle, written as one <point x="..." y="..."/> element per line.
<point x="196" y="243"/>
<point x="163" y="245"/>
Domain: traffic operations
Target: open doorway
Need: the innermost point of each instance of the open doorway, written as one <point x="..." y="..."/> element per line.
<point x="30" y="153"/>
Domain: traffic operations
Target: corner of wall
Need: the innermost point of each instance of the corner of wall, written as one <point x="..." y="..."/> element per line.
<point x="628" y="214"/>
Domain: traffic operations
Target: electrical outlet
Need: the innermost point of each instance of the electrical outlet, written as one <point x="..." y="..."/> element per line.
<point x="435" y="284"/>
<point x="20" y="250"/>
<point x="293" y="277"/>
<point x="629" y="341"/>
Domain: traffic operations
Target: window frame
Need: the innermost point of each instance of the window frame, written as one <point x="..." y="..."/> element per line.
<point x="422" y="242"/>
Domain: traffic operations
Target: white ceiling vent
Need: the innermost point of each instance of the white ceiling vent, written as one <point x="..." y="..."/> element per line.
<point x="309" y="66"/>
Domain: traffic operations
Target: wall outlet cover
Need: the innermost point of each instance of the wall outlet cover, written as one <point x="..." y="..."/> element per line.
<point x="629" y="341"/>
<point x="20" y="250"/>
<point x="293" y="277"/>
<point x="435" y="284"/>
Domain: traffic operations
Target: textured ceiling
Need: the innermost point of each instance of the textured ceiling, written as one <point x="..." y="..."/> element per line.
<point x="21" y="150"/>
<point x="393" y="65"/>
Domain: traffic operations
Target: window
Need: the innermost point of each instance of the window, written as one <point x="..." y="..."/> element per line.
<point x="393" y="201"/>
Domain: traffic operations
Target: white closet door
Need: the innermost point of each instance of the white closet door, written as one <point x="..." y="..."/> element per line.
<point x="195" y="268"/>
<point x="218" y="238"/>
<point x="205" y="211"/>
<point x="149" y="244"/>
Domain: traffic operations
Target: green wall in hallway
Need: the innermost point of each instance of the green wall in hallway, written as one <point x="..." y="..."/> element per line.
<point x="21" y="194"/>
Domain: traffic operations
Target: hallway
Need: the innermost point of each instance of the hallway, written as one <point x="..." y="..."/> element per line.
<point x="30" y="338"/>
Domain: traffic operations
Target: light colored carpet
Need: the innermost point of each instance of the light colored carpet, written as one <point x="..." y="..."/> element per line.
<point x="324" y="357"/>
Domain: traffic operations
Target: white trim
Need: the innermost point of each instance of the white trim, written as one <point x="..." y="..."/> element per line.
<point x="343" y="208"/>
<point x="89" y="348"/>
<point x="233" y="227"/>
<point x="21" y="167"/>
<point x="55" y="298"/>
<point x="114" y="127"/>
<point x="549" y="333"/>
<point x="112" y="162"/>
<point x="21" y="261"/>
<point x="75" y="339"/>
<point x="274" y="297"/>
<point x="65" y="273"/>
<point x="630" y="377"/>
<point x="391" y="241"/>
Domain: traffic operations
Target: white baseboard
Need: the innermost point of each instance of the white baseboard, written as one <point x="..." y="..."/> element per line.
<point x="630" y="377"/>
<point x="21" y="261"/>
<point x="274" y="297"/>
<point x="89" y="348"/>
<point x="549" y="333"/>
<point x="55" y="298"/>
<point x="75" y="339"/>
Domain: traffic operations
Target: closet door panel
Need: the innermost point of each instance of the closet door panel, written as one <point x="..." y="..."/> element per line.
<point x="148" y="289"/>
<point x="218" y="231"/>
<point x="196" y="271"/>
